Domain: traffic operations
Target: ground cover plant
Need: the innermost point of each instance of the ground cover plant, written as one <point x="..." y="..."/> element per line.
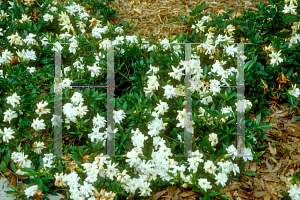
<point x="150" y="105"/>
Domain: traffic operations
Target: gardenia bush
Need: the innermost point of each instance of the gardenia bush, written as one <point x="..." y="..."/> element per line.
<point x="147" y="117"/>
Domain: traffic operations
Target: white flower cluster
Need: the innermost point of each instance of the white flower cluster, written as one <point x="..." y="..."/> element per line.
<point x="138" y="138"/>
<point x="199" y="26"/>
<point x="294" y="91"/>
<point x="294" y="192"/>
<point x="181" y="117"/>
<point x="32" y="190"/>
<point x="232" y="151"/>
<point x="242" y="106"/>
<point x="74" y="109"/>
<point x="92" y="170"/>
<point x="167" y="45"/>
<point x="21" y="161"/>
<point x="291" y="8"/>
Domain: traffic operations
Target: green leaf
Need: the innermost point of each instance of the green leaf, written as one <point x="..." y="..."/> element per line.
<point x="40" y="183"/>
<point x="258" y="120"/>
<point x="113" y="186"/>
<point x="171" y="174"/>
<point x="262" y="146"/>
<point x="223" y="196"/>
<point x="261" y="73"/>
<point x="12" y="187"/>
<point x="213" y="194"/>
<point x="297" y="118"/>
<point x="264" y="127"/>
<point x="250" y="64"/>
<point x="28" y="170"/>
<point x="123" y="138"/>
<point x="248" y="173"/>
<point x="260" y="153"/>
<point x="10" y="192"/>
<point x="79" y="169"/>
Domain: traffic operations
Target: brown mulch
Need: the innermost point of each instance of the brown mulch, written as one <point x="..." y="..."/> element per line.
<point x="153" y="15"/>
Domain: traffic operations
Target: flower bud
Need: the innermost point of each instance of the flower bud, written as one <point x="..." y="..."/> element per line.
<point x="74" y="33"/>
<point x="167" y="119"/>
<point x="130" y="45"/>
<point x="79" y="169"/>
<point x="108" y="25"/>
<point x="247" y="109"/>
<point x="226" y="155"/>
<point x="256" y="101"/>
<point x="295" y="74"/>
<point x="169" y="81"/>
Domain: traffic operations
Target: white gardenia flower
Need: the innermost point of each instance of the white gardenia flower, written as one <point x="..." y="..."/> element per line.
<point x="111" y="169"/>
<point x="275" y="58"/>
<point x="221" y="178"/>
<point x="39" y="146"/>
<point x="99" y="121"/>
<point x="294" y="192"/>
<point x="199" y="27"/>
<point x="72" y="47"/>
<point x="30" y="191"/>
<point x="77" y="98"/>
<point x="13" y="100"/>
<point x="232" y="151"/>
<point x="295" y="91"/>
<point x="119" y="30"/>
<point x="119" y="116"/>
<point x="230" y="50"/>
<point x="248" y="154"/>
<point x="213" y="138"/>
<point x="48" y="17"/>
<point x="38" y="124"/>
<point x="6" y="57"/>
<point x="41" y="108"/>
<point x="7" y="134"/>
<point x="207" y="100"/>
<point x="31" y="70"/>
<point x="30" y="39"/>
<point x="226" y="166"/>
<point x="25" y="18"/>
<point x="81" y="110"/>
<point x="105" y="44"/>
<point x="177" y="73"/>
<point x="235" y="169"/>
<point x="95" y="70"/>
<point x="162" y="107"/>
<point x="15" y="39"/>
<point x="290" y="9"/>
<point x="123" y="177"/>
<point x="294" y="40"/>
<point x="87" y="189"/>
<point x="242" y="106"/>
<point x="204" y="184"/>
<point x="209" y="167"/>
<point x="66" y="83"/>
<point x="29" y="55"/>
<point x="9" y="115"/>
<point x="169" y="91"/>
